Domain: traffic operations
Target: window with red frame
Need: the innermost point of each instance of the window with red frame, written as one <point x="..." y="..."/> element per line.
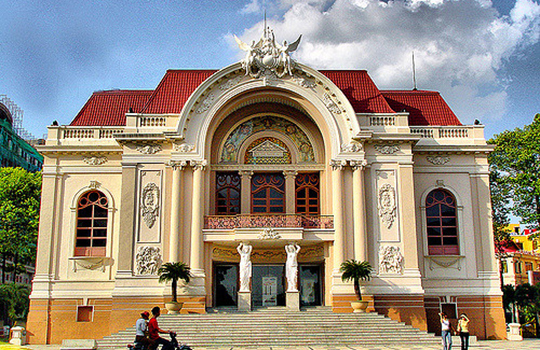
<point x="441" y="223"/>
<point x="267" y="193"/>
<point x="227" y="193"/>
<point x="307" y="194"/>
<point x="92" y="212"/>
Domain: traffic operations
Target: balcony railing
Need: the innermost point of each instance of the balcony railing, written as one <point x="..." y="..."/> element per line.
<point x="228" y="222"/>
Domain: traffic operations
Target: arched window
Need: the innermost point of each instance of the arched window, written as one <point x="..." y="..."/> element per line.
<point x="268" y="193"/>
<point x="92" y="212"/>
<point x="442" y="233"/>
<point x="307" y="194"/>
<point x="227" y="193"/>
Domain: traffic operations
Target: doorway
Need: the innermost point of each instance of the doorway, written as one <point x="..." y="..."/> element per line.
<point x="225" y="284"/>
<point x="268" y="285"/>
<point x="310" y="285"/>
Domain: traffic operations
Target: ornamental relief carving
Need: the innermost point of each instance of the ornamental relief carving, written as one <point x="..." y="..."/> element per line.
<point x="95" y="160"/>
<point x="269" y="233"/>
<point x="267" y="255"/>
<point x="304" y="82"/>
<point x="353" y="147"/>
<point x="183" y="147"/>
<point x="150" y="204"/>
<point x="438" y="160"/>
<point x="391" y="260"/>
<point x="387" y="149"/>
<point x="330" y="104"/>
<point x="206" y="103"/>
<point x="148" y="260"/>
<point x="229" y="84"/>
<point x="148" y="149"/>
<point x="387" y="205"/>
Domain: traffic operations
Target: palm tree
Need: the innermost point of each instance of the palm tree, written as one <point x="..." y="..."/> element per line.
<point x="356" y="271"/>
<point x="174" y="271"/>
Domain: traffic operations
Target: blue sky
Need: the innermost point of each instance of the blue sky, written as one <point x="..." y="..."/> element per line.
<point x="482" y="55"/>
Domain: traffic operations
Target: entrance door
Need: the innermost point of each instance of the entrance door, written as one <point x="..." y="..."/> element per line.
<point x="267" y="287"/>
<point x="310" y="285"/>
<point x="226" y="281"/>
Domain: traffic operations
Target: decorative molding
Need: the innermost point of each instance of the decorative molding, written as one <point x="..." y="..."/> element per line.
<point x="358" y="164"/>
<point x="304" y="82"/>
<point x="387" y="205"/>
<point x="268" y="149"/>
<point x="224" y="253"/>
<point x="439" y="183"/>
<point x="150" y="204"/>
<point x="95" y="160"/>
<point x="229" y="84"/>
<point x="266" y="57"/>
<point x="183" y="147"/>
<point x="338" y="164"/>
<point x="353" y="147"/>
<point x="148" y="260"/>
<point x="177" y="164"/>
<point x="290" y="173"/>
<point x="330" y="104"/>
<point x="269" y="233"/>
<point x="94" y="184"/>
<point x="391" y="260"/>
<point x="248" y="173"/>
<point x="387" y="149"/>
<point x="438" y="160"/>
<point x="149" y="149"/>
<point x="205" y="105"/>
<point x="90" y="262"/>
<point x="198" y="164"/>
<point x="444" y="261"/>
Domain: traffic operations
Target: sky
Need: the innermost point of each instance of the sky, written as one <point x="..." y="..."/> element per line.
<point x="482" y="55"/>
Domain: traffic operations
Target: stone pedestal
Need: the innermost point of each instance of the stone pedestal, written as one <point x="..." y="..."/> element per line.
<point x="514" y="332"/>
<point x="293" y="300"/>
<point x="244" y="301"/>
<point x="18" y="336"/>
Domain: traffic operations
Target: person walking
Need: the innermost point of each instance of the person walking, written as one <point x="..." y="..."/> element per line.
<point x="463" y="330"/>
<point x="446" y="331"/>
<point x="154" y="330"/>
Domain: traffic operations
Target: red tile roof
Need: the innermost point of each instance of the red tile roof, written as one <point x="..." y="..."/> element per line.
<point x="424" y="107"/>
<point x="109" y="108"/>
<point x="174" y="90"/>
<point x="362" y="93"/>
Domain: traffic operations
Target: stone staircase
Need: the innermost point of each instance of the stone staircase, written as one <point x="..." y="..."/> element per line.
<point x="278" y="327"/>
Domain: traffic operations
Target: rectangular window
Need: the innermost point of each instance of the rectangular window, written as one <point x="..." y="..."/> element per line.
<point x="307" y="194"/>
<point x="268" y="193"/>
<point x="228" y="193"/>
<point x="85" y="313"/>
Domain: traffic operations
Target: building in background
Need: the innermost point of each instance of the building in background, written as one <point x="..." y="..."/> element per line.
<point x="16" y="144"/>
<point x="264" y="153"/>
<point x="522" y="264"/>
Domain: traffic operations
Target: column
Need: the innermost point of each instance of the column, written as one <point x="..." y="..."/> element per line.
<point x="175" y="238"/>
<point x="245" y="188"/>
<point x="127" y="220"/>
<point x="290" y="191"/>
<point x="196" y="262"/>
<point x="359" y="209"/>
<point x="337" y="202"/>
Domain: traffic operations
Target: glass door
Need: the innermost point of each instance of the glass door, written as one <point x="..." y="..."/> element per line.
<point x="268" y="285"/>
<point x="225" y="285"/>
<point x="310" y="285"/>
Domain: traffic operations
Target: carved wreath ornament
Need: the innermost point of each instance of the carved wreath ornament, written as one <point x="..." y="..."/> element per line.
<point x="387" y="204"/>
<point x="150" y="204"/>
<point x="148" y="260"/>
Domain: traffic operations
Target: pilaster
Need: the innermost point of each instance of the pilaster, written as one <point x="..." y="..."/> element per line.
<point x="175" y="238"/>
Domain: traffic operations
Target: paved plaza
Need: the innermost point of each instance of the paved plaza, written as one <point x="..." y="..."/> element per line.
<point x="526" y="344"/>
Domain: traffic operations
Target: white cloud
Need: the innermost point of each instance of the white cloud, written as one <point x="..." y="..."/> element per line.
<point x="460" y="45"/>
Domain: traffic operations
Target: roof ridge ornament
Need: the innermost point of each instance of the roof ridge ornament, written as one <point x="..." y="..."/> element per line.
<point x="266" y="57"/>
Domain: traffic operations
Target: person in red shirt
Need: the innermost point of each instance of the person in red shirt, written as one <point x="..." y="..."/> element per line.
<point x="154" y="330"/>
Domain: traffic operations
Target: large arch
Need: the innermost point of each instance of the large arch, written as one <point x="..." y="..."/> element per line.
<point x="313" y="92"/>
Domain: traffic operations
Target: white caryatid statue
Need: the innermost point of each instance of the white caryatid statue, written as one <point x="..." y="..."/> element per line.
<point x="245" y="265"/>
<point x="291" y="267"/>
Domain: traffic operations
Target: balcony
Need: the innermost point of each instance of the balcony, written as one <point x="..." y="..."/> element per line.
<point x="229" y="222"/>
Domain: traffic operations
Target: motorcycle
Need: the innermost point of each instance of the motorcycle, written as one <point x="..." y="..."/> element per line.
<point x="174" y="343"/>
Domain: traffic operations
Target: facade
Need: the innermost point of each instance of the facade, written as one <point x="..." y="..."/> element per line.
<point x="522" y="258"/>
<point x="260" y="159"/>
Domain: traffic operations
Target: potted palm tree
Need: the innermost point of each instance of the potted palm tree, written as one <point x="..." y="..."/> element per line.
<point x="356" y="271"/>
<point x="174" y="271"/>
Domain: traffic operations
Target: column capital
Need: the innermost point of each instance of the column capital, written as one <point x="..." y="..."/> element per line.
<point x="338" y="164"/>
<point x="177" y="164"/>
<point x="198" y="164"/>
<point x="358" y="164"/>
<point x="290" y="173"/>
<point x="245" y="173"/>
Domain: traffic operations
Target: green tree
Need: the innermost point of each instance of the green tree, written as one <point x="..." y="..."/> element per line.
<point x="516" y="165"/>
<point x="20" y="193"/>
<point x="500" y="209"/>
<point x="356" y="271"/>
<point x="15" y="297"/>
<point x="173" y="272"/>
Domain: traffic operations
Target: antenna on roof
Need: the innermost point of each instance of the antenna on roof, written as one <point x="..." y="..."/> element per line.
<point x="413" y="72"/>
<point x="264" y="29"/>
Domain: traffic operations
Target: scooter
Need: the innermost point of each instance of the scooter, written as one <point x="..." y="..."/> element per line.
<point x="174" y="343"/>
